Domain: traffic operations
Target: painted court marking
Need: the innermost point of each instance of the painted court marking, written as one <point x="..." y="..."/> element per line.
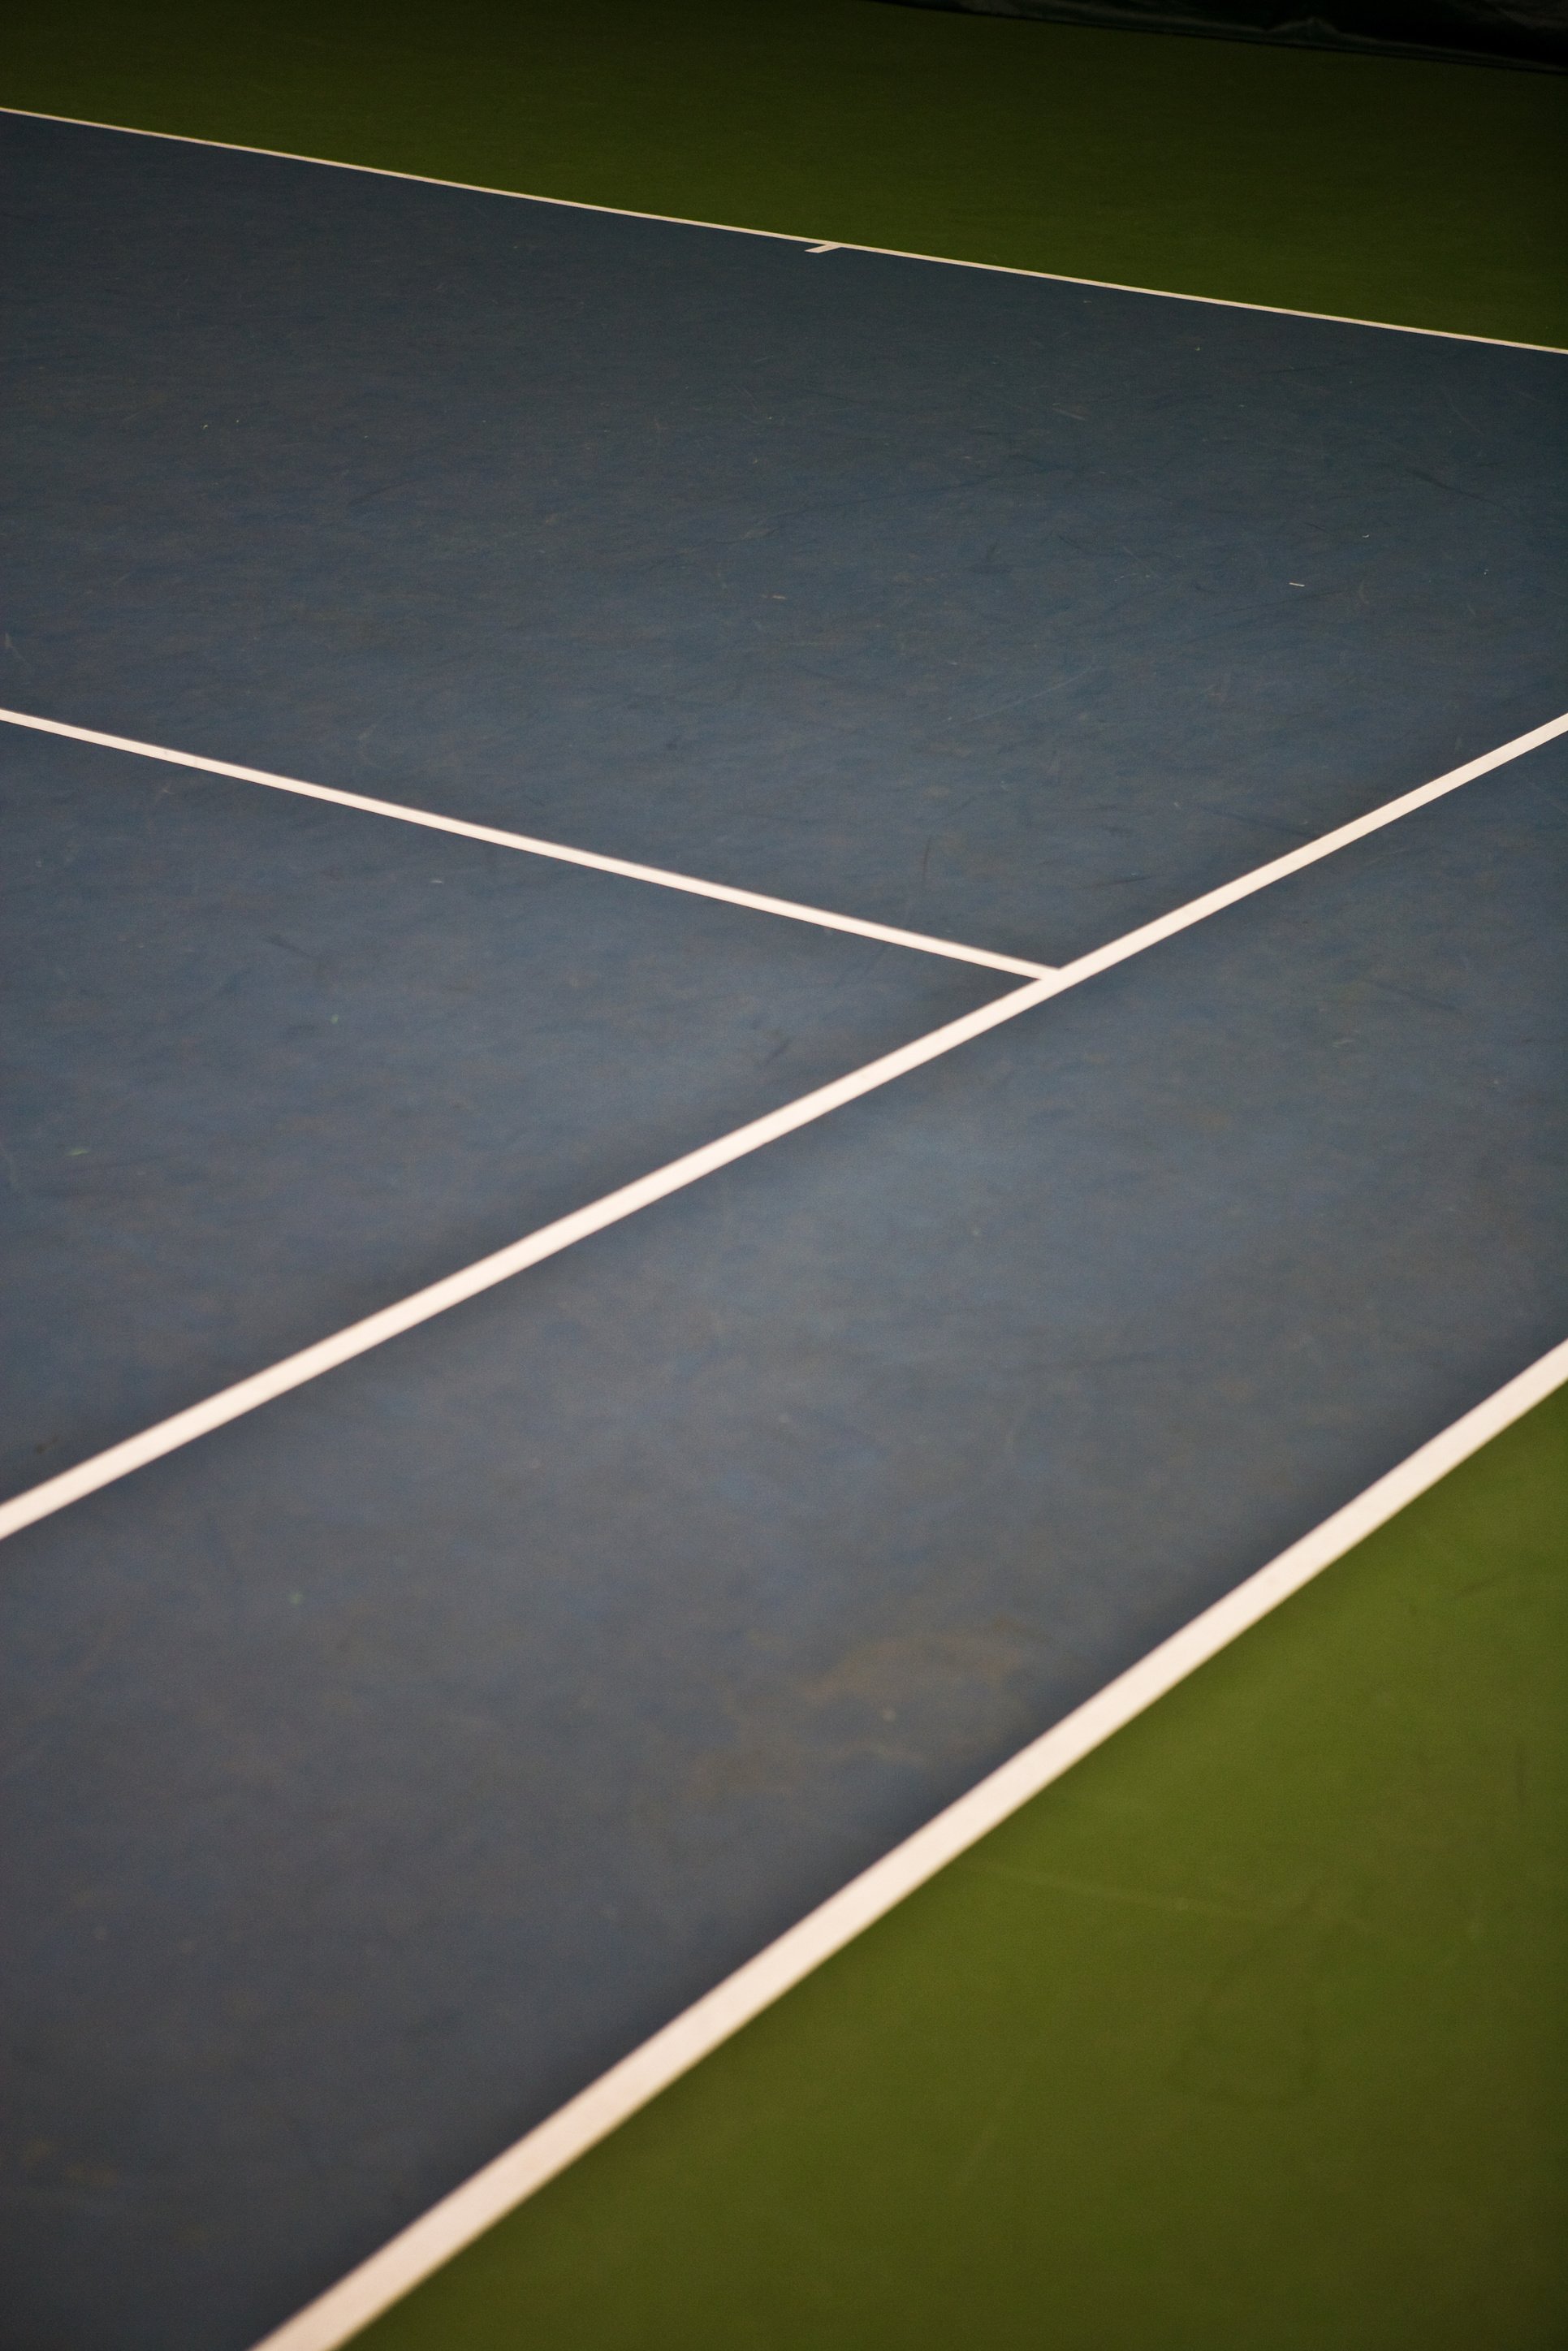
<point x="595" y="2112"/>
<point x="330" y="2321"/>
<point x="752" y="899"/>
<point x="777" y="235"/>
<point x="245" y="1395"/>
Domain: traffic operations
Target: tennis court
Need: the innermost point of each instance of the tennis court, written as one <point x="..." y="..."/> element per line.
<point x="782" y="1014"/>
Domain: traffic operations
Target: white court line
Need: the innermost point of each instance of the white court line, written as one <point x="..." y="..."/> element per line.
<point x="229" y="1403"/>
<point x="777" y="235"/>
<point x="422" y="2247"/>
<point x="331" y="2320"/>
<point x="752" y="899"/>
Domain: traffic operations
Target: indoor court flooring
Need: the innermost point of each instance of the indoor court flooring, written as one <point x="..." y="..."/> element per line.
<point x="776" y="809"/>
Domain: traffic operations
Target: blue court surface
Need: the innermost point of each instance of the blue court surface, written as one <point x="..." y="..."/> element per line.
<point x="390" y="1761"/>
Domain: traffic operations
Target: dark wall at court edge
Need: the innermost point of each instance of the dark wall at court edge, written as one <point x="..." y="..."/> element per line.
<point x="1530" y="33"/>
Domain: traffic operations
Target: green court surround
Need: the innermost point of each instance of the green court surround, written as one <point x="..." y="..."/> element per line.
<point x="1428" y="194"/>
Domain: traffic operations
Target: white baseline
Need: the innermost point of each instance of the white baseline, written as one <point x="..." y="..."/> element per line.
<point x="753" y="900"/>
<point x="229" y="1403"/>
<point x="339" y="2313"/>
<point x="775" y="235"/>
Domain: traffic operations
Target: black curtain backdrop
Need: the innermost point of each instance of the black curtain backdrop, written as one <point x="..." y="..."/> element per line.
<point x="1494" y="32"/>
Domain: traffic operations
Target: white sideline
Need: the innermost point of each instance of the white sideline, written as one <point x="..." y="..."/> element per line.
<point x="755" y="900"/>
<point x="422" y="2247"/>
<point x="166" y="1436"/>
<point x="777" y="235"/>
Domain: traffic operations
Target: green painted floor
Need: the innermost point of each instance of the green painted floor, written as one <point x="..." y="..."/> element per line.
<point x="1430" y="194"/>
<point x="1251" y="2034"/>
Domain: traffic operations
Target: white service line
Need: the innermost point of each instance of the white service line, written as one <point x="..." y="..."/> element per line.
<point x="753" y="900"/>
<point x="422" y="2247"/>
<point x="293" y="1372"/>
<point x="775" y="235"/>
<point x="167" y="1436"/>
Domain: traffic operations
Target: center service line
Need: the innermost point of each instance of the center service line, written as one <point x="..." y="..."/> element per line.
<point x="753" y="900"/>
<point x="326" y="1354"/>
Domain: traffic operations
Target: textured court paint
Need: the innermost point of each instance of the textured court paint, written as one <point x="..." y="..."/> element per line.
<point x="1249" y="2032"/>
<point x="1441" y="202"/>
<point x="1428" y="194"/>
